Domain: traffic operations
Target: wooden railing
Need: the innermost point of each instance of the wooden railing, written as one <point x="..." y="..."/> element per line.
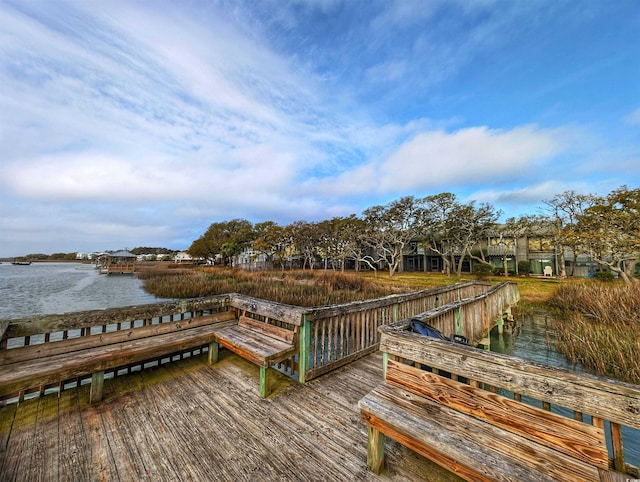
<point x="473" y="317"/>
<point x="120" y="268"/>
<point x="333" y="336"/>
<point x="329" y="337"/>
<point x="44" y="328"/>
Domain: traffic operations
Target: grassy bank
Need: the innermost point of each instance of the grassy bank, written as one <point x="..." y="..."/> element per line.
<point x="599" y="327"/>
<point x="533" y="290"/>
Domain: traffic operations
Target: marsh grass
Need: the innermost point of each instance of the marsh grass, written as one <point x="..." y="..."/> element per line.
<point x="168" y="280"/>
<point x="301" y="288"/>
<point x="599" y="326"/>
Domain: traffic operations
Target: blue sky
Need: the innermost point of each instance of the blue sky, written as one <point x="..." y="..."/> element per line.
<point x="140" y="123"/>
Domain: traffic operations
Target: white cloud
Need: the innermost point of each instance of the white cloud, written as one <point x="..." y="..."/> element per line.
<point x="471" y="155"/>
<point x="437" y="159"/>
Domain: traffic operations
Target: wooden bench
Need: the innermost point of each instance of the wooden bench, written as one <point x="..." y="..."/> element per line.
<point x="260" y="342"/>
<point x="39" y="366"/>
<point x="468" y="428"/>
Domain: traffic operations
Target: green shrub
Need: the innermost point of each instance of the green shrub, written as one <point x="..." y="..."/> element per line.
<point x="482" y="271"/>
<point x="604" y="276"/>
<point x="524" y="267"/>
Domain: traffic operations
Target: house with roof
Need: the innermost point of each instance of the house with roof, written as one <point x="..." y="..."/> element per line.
<point x="120" y="262"/>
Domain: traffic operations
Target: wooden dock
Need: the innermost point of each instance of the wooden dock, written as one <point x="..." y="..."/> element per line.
<point x="188" y="420"/>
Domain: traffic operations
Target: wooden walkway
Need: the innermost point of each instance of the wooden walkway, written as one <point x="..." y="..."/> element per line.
<point x="190" y="421"/>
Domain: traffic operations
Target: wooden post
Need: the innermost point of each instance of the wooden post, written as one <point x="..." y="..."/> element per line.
<point x="265" y="381"/>
<point x="385" y="360"/>
<point x="213" y="352"/>
<point x="618" y="449"/>
<point x="304" y="348"/>
<point x="97" y="385"/>
<point x="375" y="451"/>
<point x="459" y="321"/>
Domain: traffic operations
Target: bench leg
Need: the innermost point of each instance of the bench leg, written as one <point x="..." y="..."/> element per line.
<point x="265" y="381"/>
<point x="213" y="352"/>
<point x="375" y="451"/>
<point x="97" y="384"/>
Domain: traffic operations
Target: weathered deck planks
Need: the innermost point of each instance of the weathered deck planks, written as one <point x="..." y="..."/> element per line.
<point x="191" y="421"/>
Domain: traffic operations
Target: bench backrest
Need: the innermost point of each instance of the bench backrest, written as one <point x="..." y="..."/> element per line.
<point x="70" y="345"/>
<point x="273" y="331"/>
<point x="571" y="437"/>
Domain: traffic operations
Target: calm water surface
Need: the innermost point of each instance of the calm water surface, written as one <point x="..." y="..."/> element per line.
<point x="46" y="288"/>
<point x="533" y="340"/>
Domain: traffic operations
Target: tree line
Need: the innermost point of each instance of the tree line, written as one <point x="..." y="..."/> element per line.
<point x="605" y="227"/>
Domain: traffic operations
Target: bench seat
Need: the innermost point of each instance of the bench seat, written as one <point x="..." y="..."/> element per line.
<point x="457" y="441"/>
<point x="258" y="342"/>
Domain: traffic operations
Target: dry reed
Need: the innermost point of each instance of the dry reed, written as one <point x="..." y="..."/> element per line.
<point x="301" y="288"/>
<point x="599" y="327"/>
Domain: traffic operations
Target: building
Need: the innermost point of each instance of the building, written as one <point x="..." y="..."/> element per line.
<point x="120" y="262"/>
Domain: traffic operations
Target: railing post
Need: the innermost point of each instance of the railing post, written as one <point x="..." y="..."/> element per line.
<point x="97" y="385"/>
<point x="305" y="348"/>
<point x="385" y="360"/>
<point x="459" y="321"/>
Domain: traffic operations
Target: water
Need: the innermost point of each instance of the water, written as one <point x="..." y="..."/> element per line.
<point x="46" y="288"/>
<point x="533" y="340"/>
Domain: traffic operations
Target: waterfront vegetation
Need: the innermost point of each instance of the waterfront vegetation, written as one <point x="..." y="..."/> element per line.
<point x="312" y="287"/>
<point x="598" y="323"/>
<point x="598" y="326"/>
<point x="301" y="288"/>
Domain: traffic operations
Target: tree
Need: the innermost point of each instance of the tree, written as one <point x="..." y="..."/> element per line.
<point x="305" y="237"/>
<point x="351" y="245"/>
<point x="610" y="229"/>
<point x="336" y="240"/>
<point x="389" y="229"/>
<point x="452" y="228"/>
<point x="237" y="235"/>
<point x="437" y="225"/>
<point x="204" y="248"/>
<point x="471" y="225"/>
<point x="564" y="211"/>
<point x="348" y="244"/>
<point x="227" y="239"/>
<point x="272" y="241"/>
<point x="509" y="233"/>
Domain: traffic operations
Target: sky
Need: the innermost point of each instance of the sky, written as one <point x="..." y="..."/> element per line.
<point x="140" y="123"/>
